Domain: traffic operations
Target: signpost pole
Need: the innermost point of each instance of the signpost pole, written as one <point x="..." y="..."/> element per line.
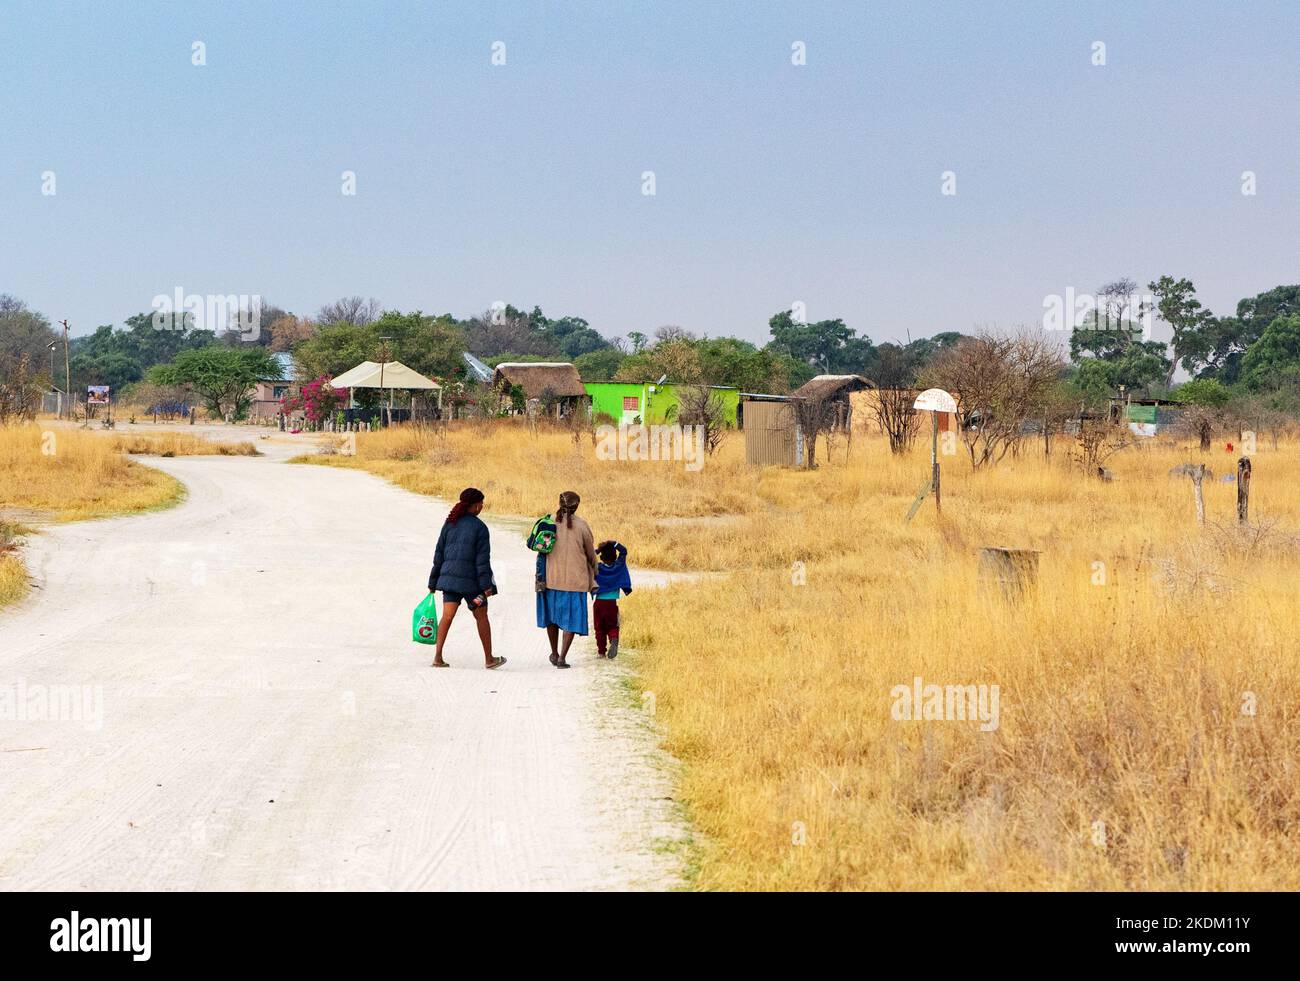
<point x="933" y="401"/>
<point x="934" y="459"/>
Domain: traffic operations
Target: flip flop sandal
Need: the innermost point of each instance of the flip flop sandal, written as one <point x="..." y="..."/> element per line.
<point x="496" y="663"/>
<point x="444" y="664"/>
<point x="555" y="660"/>
<point x="563" y="664"/>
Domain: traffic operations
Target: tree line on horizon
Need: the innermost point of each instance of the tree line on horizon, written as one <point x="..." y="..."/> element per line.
<point x="1254" y="352"/>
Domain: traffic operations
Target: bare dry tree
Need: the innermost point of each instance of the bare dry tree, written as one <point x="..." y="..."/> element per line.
<point x="700" y="405"/>
<point x="20" y="393"/>
<point x="815" y="415"/>
<point x="1000" y="382"/>
<point x="356" y="310"/>
<point x="898" y="420"/>
<point x="1200" y="422"/>
<point x="1098" y="440"/>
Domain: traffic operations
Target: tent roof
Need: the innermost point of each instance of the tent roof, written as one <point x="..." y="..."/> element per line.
<point x="395" y="375"/>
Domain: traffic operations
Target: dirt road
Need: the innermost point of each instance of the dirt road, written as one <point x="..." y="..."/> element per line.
<point x="224" y="695"/>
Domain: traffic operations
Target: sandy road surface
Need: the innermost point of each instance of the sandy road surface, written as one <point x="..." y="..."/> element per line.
<point x="267" y="724"/>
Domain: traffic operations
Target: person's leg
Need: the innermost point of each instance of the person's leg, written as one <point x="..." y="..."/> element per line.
<point x="553" y="635"/>
<point x="613" y="631"/>
<point x="485" y="636"/>
<point x="448" y="613"/>
<point x="568" y="641"/>
<point x="598" y="626"/>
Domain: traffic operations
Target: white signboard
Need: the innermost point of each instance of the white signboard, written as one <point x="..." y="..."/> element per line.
<point x="935" y="400"/>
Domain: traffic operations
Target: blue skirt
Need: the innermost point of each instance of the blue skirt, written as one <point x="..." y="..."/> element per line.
<point x="566" y="608"/>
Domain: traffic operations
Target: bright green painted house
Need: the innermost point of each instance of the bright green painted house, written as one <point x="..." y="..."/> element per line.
<point x="628" y="403"/>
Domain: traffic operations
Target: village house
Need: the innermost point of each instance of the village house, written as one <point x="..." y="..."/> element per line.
<point x="653" y="403"/>
<point x="556" y="386"/>
<point x="268" y="392"/>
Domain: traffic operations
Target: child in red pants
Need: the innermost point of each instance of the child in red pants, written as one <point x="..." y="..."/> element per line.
<point x="611" y="576"/>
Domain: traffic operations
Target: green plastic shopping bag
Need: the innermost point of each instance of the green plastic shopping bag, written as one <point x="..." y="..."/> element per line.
<point x="424" y="622"/>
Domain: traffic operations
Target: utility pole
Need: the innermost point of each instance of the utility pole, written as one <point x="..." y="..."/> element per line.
<point x="67" y="368"/>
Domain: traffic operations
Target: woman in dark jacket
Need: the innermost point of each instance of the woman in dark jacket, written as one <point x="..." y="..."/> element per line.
<point x="462" y="569"/>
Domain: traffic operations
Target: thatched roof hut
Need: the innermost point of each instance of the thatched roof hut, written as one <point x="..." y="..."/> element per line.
<point x="558" y="379"/>
<point x="832" y="387"/>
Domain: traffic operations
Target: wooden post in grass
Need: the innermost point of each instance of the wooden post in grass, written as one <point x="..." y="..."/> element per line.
<point x="1198" y="475"/>
<point x="1243" y="490"/>
<point x="1013" y="570"/>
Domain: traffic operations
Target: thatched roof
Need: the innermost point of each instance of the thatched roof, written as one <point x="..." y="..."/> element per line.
<point x="536" y="377"/>
<point x="831" y="386"/>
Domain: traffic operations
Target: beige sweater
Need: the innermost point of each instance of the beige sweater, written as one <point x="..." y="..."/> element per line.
<point x="571" y="564"/>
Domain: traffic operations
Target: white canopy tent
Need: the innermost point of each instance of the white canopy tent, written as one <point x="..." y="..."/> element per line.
<point x="391" y="375"/>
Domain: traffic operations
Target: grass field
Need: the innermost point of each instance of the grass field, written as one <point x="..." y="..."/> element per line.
<point x="1149" y="690"/>
<point x="13" y="577"/>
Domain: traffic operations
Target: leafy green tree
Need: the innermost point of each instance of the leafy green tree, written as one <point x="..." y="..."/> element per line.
<point x="599" y="366"/>
<point x="1192" y="324"/>
<point x="1204" y="391"/>
<point x="222" y="376"/>
<point x="430" y="345"/>
<point x="112" y="369"/>
<point x="1227" y="339"/>
<point x="25" y="336"/>
<point x="1274" y="359"/>
<point x="828" y="346"/>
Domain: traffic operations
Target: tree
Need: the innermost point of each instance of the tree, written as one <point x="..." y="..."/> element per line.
<point x="1205" y="400"/>
<point x="288" y="331"/>
<point x="222" y="376"/>
<point x="893" y="371"/>
<point x="815" y="416"/>
<point x="678" y="359"/>
<point x="427" y="344"/>
<point x="24" y="334"/>
<point x="357" y="310"/>
<point x="494" y="333"/>
<point x="599" y="366"/>
<point x="1191" y="323"/>
<point x="1274" y="359"/>
<point x="828" y="346"/>
<point x="20" y="393"/>
<point x="999" y="382"/>
<point x="700" y="405"/>
<point x="743" y="365"/>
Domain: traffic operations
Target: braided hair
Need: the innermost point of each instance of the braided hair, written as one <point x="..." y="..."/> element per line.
<point x="569" y="501"/>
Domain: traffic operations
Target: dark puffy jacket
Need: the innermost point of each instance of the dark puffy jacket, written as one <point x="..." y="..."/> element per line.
<point x="462" y="562"/>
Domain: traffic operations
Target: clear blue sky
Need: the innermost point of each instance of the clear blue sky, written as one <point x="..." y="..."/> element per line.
<point x="522" y="183"/>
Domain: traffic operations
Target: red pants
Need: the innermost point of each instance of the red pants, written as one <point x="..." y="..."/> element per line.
<point x="605" y="613"/>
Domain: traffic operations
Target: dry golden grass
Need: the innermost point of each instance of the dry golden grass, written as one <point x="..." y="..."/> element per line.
<point x="13" y="577"/>
<point x="70" y="475"/>
<point x="1127" y="755"/>
<point x="179" y="444"/>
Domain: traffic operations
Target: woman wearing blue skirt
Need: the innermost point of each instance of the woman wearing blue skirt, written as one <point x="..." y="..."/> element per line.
<point x="570" y="576"/>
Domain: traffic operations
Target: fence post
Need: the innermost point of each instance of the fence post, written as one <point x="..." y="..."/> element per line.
<point x="1243" y="490"/>
<point x="1198" y="475"/>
